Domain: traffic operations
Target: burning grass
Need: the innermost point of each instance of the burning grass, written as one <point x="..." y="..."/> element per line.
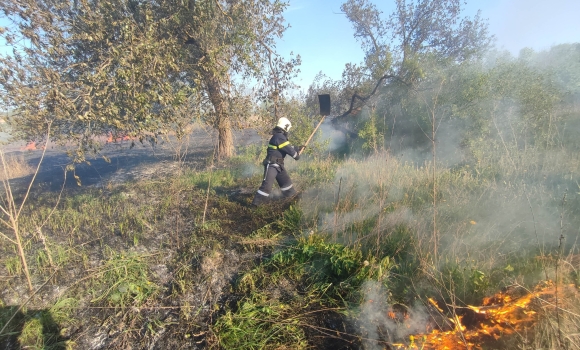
<point x="496" y="225"/>
<point x="516" y="316"/>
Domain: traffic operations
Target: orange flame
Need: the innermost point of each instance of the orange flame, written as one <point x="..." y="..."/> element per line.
<point x="500" y="315"/>
<point x="31" y="146"/>
<point x="112" y="139"/>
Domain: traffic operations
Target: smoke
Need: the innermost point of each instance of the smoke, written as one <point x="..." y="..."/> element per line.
<point x="418" y="149"/>
<point x="249" y="170"/>
<point x="488" y="212"/>
<point x="505" y="190"/>
<point x="335" y="138"/>
<point x="361" y="190"/>
<point x="379" y="322"/>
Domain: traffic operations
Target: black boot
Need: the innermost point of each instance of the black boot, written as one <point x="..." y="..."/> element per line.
<point x="289" y="193"/>
<point x="259" y="200"/>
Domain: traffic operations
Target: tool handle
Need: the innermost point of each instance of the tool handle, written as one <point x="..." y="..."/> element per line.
<point x="310" y="138"/>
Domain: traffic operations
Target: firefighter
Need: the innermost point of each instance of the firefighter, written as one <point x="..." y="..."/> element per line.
<point x="278" y="148"/>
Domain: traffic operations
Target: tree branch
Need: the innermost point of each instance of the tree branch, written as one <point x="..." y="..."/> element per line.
<point x="7" y="238"/>
<point x="363" y="99"/>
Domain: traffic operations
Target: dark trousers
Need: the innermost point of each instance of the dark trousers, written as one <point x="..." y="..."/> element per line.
<point x="274" y="172"/>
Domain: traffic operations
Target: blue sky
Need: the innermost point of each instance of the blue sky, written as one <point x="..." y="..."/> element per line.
<point x="323" y="37"/>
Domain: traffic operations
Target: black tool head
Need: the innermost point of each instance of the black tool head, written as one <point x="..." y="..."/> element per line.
<point x="324" y="101"/>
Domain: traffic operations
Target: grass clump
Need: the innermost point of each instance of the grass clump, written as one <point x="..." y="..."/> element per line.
<point x="15" y="167"/>
<point x="281" y="294"/>
<point x="123" y="280"/>
<point x="260" y="323"/>
<point x="330" y="269"/>
<point x="38" y="329"/>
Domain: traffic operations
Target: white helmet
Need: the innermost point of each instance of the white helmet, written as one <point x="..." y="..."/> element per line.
<point x="284" y="123"/>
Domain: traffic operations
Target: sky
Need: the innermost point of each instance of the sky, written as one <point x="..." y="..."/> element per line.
<point x="323" y="37"/>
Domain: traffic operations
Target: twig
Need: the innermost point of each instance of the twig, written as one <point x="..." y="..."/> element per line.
<point x="560" y="342"/>
<point x="536" y="230"/>
<point x="363" y="99"/>
<point x="43" y="240"/>
<point x="26" y="302"/>
<point x="327" y="331"/>
<point x="336" y="208"/>
<point x="37" y="170"/>
<point x="57" y="202"/>
<point x="7" y="238"/>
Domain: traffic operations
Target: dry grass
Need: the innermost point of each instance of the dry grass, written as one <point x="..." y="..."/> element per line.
<point x="479" y="214"/>
<point x="558" y="327"/>
<point x="15" y="166"/>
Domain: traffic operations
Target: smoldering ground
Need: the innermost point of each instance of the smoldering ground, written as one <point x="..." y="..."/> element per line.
<point x="380" y="323"/>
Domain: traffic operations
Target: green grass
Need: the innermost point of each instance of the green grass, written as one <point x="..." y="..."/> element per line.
<point x="123" y="280"/>
<point x="260" y="323"/>
<point x="39" y="329"/>
<point x="309" y="276"/>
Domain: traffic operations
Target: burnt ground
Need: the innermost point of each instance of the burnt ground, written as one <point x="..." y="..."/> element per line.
<point x="194" y="265"/>
<point x="128" y="160"/>
<point x="194" y="274"/>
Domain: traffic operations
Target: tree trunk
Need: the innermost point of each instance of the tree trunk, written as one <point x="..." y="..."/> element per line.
<point x="222" y="121"/>
<point x="225" y="138"/>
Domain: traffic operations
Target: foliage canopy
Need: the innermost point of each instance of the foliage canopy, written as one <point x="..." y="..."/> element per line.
<point x="92" y="68"/>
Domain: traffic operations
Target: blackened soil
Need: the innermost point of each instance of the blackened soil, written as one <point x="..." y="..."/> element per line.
<point x="193" y="252"/>
<point x="330" y="330"/>
<point x="123" y="160"/>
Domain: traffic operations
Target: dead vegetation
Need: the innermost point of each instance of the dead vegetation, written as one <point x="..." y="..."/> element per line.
<point x="15" y="166"/>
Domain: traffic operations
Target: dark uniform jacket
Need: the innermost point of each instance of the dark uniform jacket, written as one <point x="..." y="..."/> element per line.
<point x="279" y="147"/>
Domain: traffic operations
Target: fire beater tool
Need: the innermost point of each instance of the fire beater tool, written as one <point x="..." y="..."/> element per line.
<point x="324" y="102"/>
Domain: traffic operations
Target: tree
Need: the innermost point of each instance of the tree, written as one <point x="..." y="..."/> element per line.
<point x="275" y="84"/>
<point x="407" y="56"/>
<point x="89" y="68"/>
<point x="124" y="66"/>
<point x="395" y="46"/>
<point x="225" y="44"/>
<point x="517" y="101"/>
